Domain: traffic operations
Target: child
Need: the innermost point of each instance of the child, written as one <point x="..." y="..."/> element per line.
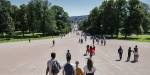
<point x="78" y="70"/>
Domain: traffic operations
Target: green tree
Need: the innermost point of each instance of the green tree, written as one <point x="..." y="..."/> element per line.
<point x="121" y="14"/>
<point x="6" y="21"/>
<point x="109" y="18"/>
<point x="48" y="25"/>
<point x="34" y="15"/>
<point x="22" y="19"/>
<point x="10" y="27"/>
<point x="62" y="19"/>
<point x="94" y="22"/>
<point x="146" y="20"/>
<point x="134" y="21"/>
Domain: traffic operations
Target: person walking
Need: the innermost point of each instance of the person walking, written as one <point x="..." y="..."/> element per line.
<point x="81" y="41"/>
<point x="97" y="40"/>
<point x="29" y="40"/>
<point x="53" y="66"/>
<point x="102" y="41"/>
<point x="78" y="70"/>
<point x="129" y="54"/>
<point x="89" y="69"/>
<point x="136" y="55"/>
<point x="91" y="51"/>
<point x="68" y="54"/>
<point x="68" y="68"/>
<point x="87" y="50"/>
<point x="53" y="42"/>
<point x="120" y="52"/>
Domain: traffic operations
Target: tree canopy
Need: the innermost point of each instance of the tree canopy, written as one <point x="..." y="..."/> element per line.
<point x="115" y="17"/>
<point x="38" y="16"/>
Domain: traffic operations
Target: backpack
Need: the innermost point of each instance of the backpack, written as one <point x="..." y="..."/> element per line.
<point x="68" y="68"/>
<point x="55" y="67"/>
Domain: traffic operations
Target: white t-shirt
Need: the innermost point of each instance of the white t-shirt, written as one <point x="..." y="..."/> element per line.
<point x="86" y="70"/>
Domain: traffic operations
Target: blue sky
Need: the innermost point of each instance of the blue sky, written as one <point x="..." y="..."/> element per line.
<point x="73" y="7"/>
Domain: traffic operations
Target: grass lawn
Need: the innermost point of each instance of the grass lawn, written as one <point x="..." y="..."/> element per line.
<point x="4" y="40"/>
<point x="140" y="38"/>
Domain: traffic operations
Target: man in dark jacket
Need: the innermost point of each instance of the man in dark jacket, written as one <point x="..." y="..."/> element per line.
<point x="129" y="54"/>
<point x="120" y="52"/>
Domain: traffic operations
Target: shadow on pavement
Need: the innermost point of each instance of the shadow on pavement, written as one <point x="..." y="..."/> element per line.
<point x="117" y="60"/>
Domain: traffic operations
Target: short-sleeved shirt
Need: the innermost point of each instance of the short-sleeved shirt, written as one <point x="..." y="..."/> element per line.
<point x="49" y="64"/>
<point x="86" y="70"/>
<point x="79" y="71"/>
<point x="68" y="68"/>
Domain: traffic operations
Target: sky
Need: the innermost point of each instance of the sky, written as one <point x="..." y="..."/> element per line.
<point x="73" y="7"/>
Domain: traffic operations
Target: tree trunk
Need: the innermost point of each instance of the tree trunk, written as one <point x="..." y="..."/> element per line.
<point x="117" y="33"/>
<point x="33" y="34"/>
<point x="111" y="35"/>
<point x="23" y="33"/>
<point x="125" y="36"/>
<point x="3" y="34"/>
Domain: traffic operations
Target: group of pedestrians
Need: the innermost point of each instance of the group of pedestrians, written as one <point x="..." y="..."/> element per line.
<point x="99" y="40"/>
<point x="90" y="50"/>
<point x="135" y="52"/>
<point x="94" y="39"/>
<point x="83" y="38"/>
<point x="54" y="67"/>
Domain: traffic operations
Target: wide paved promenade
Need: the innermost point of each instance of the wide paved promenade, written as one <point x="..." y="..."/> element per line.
<point x="23" y="58"/>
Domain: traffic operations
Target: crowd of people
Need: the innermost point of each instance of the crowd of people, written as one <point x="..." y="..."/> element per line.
<point x="101" y="40"/>
<point x="94" y="40"/>
<point x="135" y="52"/>
<point x="54" y="67"/>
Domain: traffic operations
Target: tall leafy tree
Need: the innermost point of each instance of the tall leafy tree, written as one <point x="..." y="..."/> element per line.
<point x="48" y="25"/>
<point x="118" y="16"/>
<point x="121" y="14"/>
<point x="135" y="18"/>
<point x="36" y="16"/>
<point x="61" y="18"/>
<point x="109" y="18"/>
<point x="14" y="15"/>
<point x="94" y="27"/>
<point x="6" y="21"/>
<point x="146" y="20"/>
<point x="22" y="19"/>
